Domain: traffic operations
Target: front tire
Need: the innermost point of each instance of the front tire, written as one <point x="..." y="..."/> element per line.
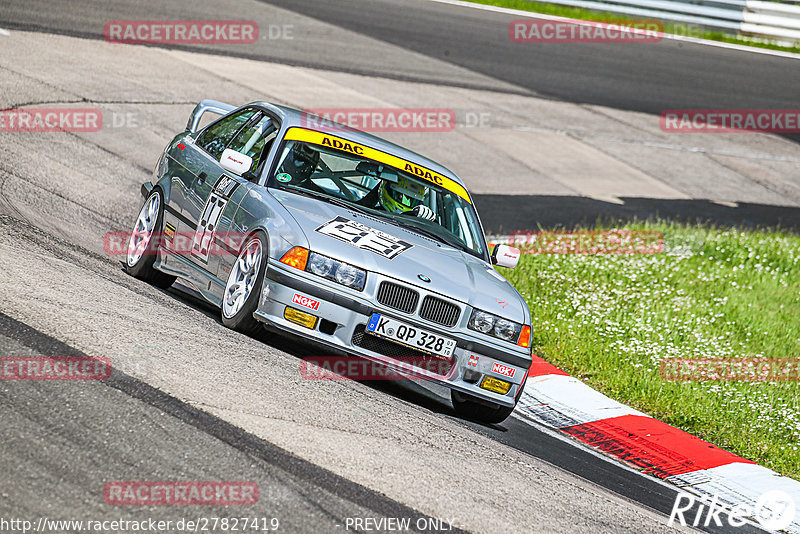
<point x="243" y="289"/>
<point x="471" y="408"/>
<point x="142" y="248"/>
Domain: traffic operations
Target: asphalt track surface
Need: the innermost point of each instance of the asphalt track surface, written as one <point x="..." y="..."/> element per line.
<point x="70" y="455"/>
<point x="644" y="78"/>
<point x="670" y="75"/>
<point x="666" y="75"/>
<point x="64" y="440"/>
<point x="78" y="447"/>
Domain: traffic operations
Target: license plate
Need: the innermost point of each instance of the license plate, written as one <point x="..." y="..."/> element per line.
<point x="410" y="336"/>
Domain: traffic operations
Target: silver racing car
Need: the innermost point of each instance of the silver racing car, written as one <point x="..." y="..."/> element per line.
<point x="342" y="238"/>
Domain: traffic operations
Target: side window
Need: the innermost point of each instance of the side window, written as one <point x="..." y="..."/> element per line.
<point x="217" y="136"/>
<point x="255" y="139"/>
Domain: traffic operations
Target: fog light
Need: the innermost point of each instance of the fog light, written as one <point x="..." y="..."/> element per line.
<point x="496" y="385"/>
<point x="301" y="318"/>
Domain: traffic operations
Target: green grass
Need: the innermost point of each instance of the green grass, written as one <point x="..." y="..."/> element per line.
<point x="599" y="16"/>
<point x="611" y="319"/>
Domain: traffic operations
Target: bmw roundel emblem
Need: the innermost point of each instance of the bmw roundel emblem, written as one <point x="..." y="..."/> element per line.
<point x="423" y="278"/>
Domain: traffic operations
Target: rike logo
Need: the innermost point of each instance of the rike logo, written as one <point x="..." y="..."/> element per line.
<point x="774" y="510"/>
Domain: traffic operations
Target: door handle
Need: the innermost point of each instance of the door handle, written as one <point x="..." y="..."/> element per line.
<point x="201" y="178"/>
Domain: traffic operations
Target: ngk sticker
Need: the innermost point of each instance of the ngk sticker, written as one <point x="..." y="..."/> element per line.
<point x="504" y="370"/>
<point x="307" y="302"/>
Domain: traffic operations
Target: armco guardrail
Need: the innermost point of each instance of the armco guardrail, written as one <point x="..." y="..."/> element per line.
<point x="773" y="20"/>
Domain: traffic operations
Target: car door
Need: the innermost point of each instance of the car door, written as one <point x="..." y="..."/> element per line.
<point x="190" y="159"/>
<point x="216" y="196"/>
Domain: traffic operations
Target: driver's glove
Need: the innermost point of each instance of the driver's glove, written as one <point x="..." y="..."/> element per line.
<point x="423" y="212"/>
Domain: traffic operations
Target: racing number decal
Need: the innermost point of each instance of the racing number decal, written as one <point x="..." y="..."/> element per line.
<point x="205" y="229"/>
<point x="209" y="219"/>
<point x="364" y="237"/>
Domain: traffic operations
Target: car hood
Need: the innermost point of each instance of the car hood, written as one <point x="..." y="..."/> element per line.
<point x="453" y="273"/>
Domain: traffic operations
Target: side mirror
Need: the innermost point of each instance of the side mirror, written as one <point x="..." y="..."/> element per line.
<point x="505" y="256"/>
<point x="235" y="162"/>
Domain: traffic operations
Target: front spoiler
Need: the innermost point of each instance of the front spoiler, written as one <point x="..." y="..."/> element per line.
<point x="411" y="374"/>
<point x="348" y="313"/>
<point x="366" y="309"/>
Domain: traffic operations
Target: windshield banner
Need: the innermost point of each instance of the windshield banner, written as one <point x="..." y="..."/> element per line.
<point x="332" y="141"/>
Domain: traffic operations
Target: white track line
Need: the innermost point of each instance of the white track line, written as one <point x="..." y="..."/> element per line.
<point x="695" y="40"/>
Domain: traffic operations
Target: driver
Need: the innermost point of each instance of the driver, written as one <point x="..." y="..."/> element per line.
<point x="300" y="163"/>
<point x="404" y="196"/>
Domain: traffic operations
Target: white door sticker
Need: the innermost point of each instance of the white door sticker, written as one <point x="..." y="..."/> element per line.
<point x="209" y="220"/>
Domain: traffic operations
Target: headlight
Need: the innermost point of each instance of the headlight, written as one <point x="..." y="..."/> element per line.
<point x="339" y="272"/>
<point x="498" y="327"/>
<point x="347" y="275"/>
<point x="481" y="321"/>
<point x="506" y="330"/>
<point x="320" y="265"/>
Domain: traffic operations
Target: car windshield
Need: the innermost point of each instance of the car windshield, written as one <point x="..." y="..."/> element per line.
<point x="384" y="191"/>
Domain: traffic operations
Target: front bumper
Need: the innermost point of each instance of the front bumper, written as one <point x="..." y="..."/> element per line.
<point x="343" y="314"/>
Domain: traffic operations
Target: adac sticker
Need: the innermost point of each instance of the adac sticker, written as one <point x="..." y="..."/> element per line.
<point x="319" y="138"/>
<point x="284" y="177"/>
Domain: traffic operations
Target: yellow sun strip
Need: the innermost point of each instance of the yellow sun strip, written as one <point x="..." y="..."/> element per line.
<point x="331" y="141"/>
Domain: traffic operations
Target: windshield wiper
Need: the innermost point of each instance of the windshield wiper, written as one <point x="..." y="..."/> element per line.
<point x="399" y="222"/>
<point x="327" y="198"/>
<point x="429" y="233"/>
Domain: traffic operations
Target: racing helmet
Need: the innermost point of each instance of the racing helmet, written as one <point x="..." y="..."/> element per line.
<point x="301" y="162"/>
<point x="401" y="196"/>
